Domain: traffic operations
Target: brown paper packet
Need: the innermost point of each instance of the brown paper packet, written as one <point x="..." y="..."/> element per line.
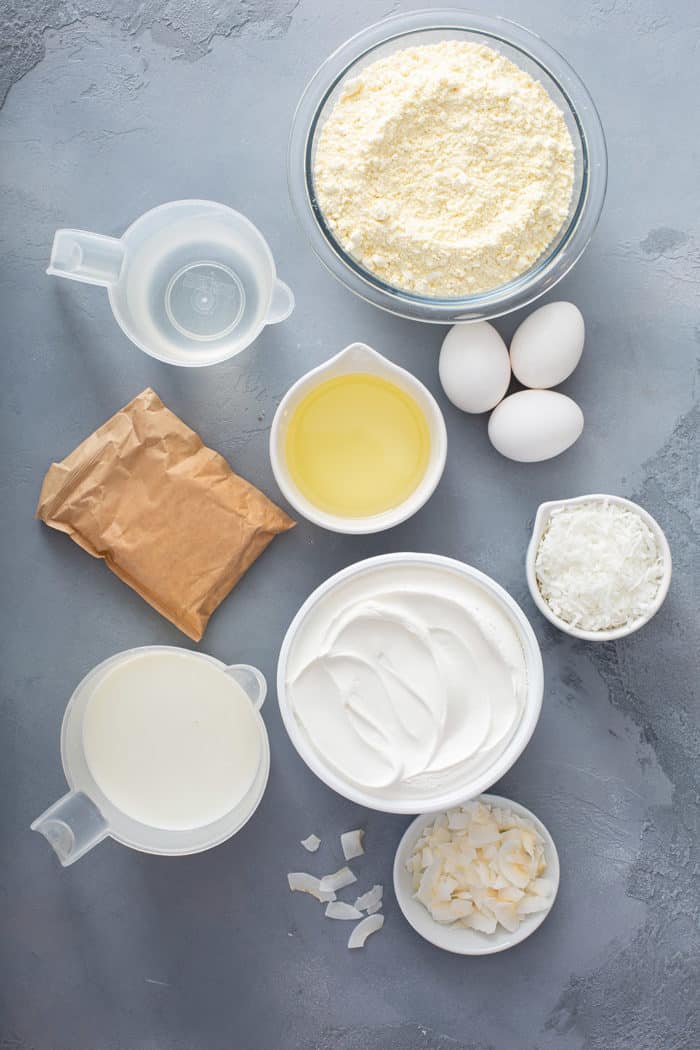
<point x="167" y="514"/>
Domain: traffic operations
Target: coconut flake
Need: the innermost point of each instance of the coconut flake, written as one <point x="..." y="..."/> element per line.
<point x="483" y="834"/>
<point x="371" y="899"/>
<point x="311" y="843"/>
<point x="338" y="880"/>
<point x="369" y="925"/>
<point x="302" y="882"/>
<point x="458" y="819"/>
<point x="351" y="841"/>
<point x="478" y="921"/>
<point x="480" y="867"/>
<point x="341" y="910"/>
<point x="531" y="904"/>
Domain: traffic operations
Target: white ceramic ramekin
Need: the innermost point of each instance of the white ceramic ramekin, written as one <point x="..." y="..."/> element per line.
<point x="469" y="788"/>
<point x="358" y="357"/>
<point x="541" y="519"/>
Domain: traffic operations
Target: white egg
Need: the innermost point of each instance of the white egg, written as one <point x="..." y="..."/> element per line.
<point x="474" y="366"/>
<point x="533" y="425"/>
<point x="547" y="346"/>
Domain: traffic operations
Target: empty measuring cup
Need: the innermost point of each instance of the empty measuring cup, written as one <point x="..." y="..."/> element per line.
<point x="164" y="750"/>
<point x="191" y="282"/>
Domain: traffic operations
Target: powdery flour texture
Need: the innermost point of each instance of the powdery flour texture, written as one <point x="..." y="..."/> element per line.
<point x="445" y="169"/>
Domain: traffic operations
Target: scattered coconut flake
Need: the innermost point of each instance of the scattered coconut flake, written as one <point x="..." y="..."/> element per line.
<point x="371" y="899"/>
<point x="302" y="882"/>
<point x="374" y="907"/>
<point x="351" y="841"/>
<point x="341" y="910"/>
<point x="311" y="843"/>
<point x="480" y="867"/>
<point x="338" y="880"/>
<point x="369" y="925"/>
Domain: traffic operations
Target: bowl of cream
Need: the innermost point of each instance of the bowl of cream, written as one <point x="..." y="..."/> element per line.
<point x="410" y="682"/>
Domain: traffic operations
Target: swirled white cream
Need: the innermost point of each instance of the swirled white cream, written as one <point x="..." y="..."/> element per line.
<point x="407" y="679"/>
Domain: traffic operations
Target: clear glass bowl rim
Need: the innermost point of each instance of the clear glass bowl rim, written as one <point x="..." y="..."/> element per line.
<point x="508" y="297"/>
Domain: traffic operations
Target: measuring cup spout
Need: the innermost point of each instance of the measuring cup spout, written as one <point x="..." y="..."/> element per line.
<point x="281" y="304"/>
<point x="87" y="257"/>
<point x="251" y="682"/>
<point x="72" y="826"/>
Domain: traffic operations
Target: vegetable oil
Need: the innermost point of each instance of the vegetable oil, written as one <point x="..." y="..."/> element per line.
<point x="357" y="445"/>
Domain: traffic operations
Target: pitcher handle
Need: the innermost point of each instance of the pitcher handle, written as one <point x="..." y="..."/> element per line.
<point x="72" y="826"/>
<point x="281" y="303"/>
<point x="251" y="681"/>
<point x="87" y="257"/>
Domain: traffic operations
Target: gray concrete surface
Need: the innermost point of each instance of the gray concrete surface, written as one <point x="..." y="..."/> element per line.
<point x="113" y="107"/>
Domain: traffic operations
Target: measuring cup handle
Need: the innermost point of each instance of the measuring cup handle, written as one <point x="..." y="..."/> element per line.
<point x="72" y="826"/>
<point x="251" y="681"/>
<point x="281" y="303"/>
<point x="87" y="257"/>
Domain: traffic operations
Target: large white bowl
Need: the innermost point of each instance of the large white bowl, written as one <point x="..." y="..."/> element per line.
<point x="542" y="517"/>
<point x="453" y="937"/>
<point x="469" y="788"/>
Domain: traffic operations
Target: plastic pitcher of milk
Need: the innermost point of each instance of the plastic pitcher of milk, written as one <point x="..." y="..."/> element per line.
<point x="164" y="750"/>
<point x="191" y="282"/>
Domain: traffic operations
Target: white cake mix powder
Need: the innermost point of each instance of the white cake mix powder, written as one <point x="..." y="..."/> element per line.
<point x="445" y="169"/>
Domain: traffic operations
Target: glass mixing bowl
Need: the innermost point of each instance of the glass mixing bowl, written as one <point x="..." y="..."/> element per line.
<point x="530" y="53"/>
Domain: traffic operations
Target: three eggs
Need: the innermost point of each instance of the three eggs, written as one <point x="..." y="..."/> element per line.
<point x="475" y="372"/>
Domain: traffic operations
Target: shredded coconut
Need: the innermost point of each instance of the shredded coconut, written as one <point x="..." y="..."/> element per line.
<point x="598" y="565"/>
<point x="445" y="169"/>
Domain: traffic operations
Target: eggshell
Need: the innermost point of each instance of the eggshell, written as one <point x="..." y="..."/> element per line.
<point x="547" y="346"/>
<point x="533" y="425"/>
<point x="474" y="366"/>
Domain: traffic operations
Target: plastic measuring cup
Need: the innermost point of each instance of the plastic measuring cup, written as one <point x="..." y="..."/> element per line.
<point x="191" y="282"/>
<point x="86" y="815"/>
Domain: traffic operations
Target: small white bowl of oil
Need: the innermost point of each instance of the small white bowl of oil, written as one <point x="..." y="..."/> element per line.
<point x="358" y="444"/>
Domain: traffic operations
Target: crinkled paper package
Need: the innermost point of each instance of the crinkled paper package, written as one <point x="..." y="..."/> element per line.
<point x="166" y="513"/>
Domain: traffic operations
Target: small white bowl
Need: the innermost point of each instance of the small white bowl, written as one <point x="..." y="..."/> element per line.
<point x="542" y="517"/>
<point x="455" y="938"/>
<point x="358" y="357"/>
<point x="442" y="799"/>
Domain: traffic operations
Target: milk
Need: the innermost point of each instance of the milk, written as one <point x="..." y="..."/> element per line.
<point x="171" y="739"/>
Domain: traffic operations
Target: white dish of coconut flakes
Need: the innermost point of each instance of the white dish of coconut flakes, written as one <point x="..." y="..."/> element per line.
<point x="454" y="936"/>
<point x="598" y="567"/>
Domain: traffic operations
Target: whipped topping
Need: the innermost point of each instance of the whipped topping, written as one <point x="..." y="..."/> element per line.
<point x="408" y="679"/>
